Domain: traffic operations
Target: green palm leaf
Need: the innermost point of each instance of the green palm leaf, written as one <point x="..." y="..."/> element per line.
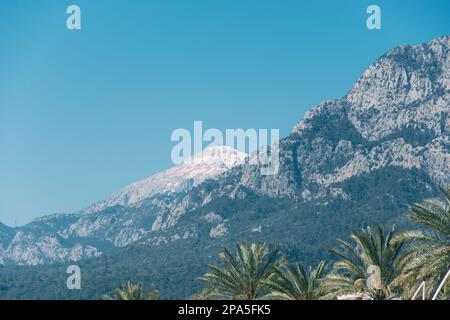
<point x="428" y="250"/>
<point x="242" y="276"/>
<point x="369" y="247"/>
<point x="294" y="282"/>
<point x="132" y="291"/>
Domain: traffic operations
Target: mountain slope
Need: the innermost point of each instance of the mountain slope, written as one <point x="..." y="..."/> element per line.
<point x="305" y="231"/>
<point x="396" y="116"/>
<point x="350" y="162"/>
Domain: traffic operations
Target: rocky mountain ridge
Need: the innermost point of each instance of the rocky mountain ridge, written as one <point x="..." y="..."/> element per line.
<point x="392" y="127"/>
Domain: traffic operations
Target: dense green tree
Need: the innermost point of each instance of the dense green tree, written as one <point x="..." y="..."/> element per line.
<point x="242" y="276"/>
<point x="428" y="250"/>
<point x="372" y="257"/>
<point x="132" y="291"/>
<point x="295" y="282"/>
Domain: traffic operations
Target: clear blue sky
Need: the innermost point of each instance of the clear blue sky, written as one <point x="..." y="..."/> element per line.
<point x="83" y="113"/>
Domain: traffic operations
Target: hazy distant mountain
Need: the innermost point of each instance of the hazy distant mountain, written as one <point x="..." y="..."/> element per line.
<point x="350" y="162"/>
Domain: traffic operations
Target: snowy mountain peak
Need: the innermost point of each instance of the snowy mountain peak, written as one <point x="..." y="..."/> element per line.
<point x="218" y="155"/>
<point x="211" y="162"/>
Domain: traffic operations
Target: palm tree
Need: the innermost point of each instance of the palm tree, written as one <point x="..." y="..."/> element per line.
<point x="242" y="277"/>
<point x="294" y="282"/>
<point x="132" y="291"/>
<point x="427" y="257"/>
<point x="373" y="256"/>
